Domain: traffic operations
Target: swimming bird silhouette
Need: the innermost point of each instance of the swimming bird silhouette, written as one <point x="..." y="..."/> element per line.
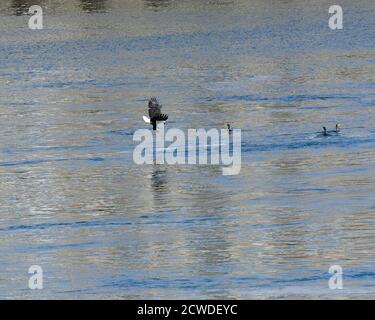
<point x="154" y="111"/>
<point x="230" y="129"/>
<point x="325" y="132"/>
<point x="336" y="130"/>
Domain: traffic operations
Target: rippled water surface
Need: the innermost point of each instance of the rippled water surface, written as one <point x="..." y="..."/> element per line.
<point x="73" y="201"/>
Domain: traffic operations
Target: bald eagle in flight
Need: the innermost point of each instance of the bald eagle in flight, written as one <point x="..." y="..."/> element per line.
<point x="155" y="113"/>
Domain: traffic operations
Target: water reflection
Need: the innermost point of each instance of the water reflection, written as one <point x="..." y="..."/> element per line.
<point x="157" y="4"/>
<point x="92" y="6"/>
<point x="160" y="186"/>
<point x="21" y="7"/>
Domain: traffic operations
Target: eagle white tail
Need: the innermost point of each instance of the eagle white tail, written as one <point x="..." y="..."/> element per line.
<point x="146" y="119"/>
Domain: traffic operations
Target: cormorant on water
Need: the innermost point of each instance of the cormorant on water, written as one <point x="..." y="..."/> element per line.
<point x="329" y="133"/>
<point x="325" y="133"/>
<point x="155" y="113"/>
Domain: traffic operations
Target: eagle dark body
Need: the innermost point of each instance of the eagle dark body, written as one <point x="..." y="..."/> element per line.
<point x="154" y="111"/>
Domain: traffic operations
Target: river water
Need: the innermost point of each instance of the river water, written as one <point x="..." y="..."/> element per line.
<point x="73" y="201"/>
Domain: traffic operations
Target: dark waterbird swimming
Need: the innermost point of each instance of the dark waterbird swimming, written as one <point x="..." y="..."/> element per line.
<point x="154" y="111"/>
<point x="230" y="129"/>
<point x="327" y="133"/>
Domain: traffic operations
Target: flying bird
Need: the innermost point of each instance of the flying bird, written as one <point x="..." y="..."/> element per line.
<point x="154" y="111"/>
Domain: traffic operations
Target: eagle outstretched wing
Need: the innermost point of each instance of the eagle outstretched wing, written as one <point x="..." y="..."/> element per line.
<point x="154" y="111"/>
